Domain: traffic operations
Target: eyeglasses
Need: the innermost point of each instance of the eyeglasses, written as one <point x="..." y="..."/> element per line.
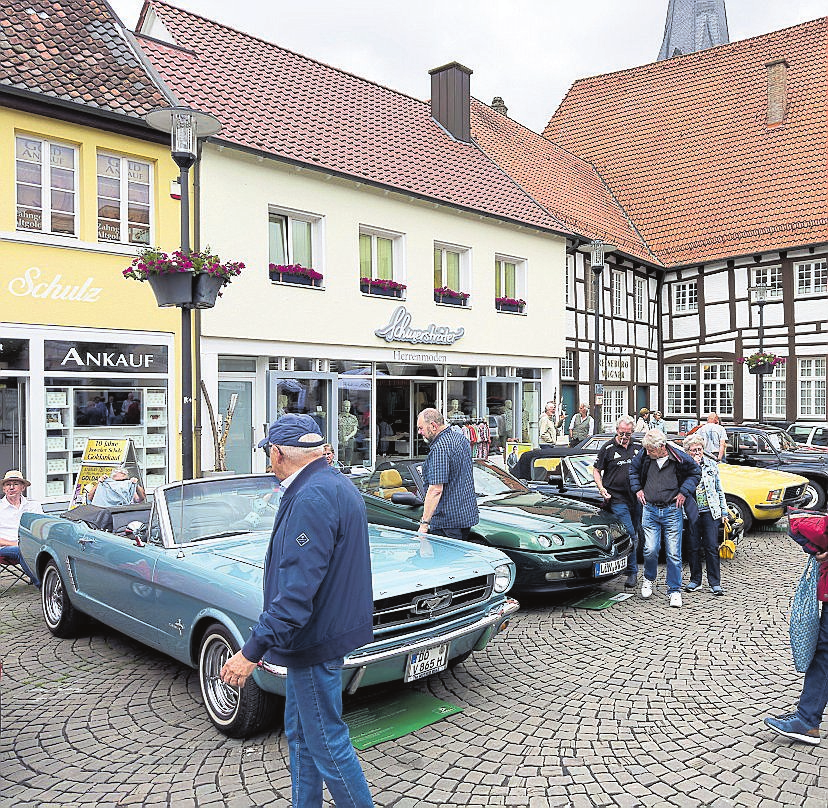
<point x="623" y="434"/>
<point x="696" y="450"/>
<point x="268" y="448"/>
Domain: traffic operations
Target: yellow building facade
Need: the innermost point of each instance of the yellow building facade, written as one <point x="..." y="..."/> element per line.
<point x="84" y="352"/>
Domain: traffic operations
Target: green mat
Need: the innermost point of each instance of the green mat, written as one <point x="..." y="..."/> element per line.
<point x="395" y="716"/>
<point x="603" y="600"/>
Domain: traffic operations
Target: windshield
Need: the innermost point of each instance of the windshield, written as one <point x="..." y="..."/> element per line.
<point x="217" y="508"/>
<point x="782" y="441"/>
<point x="490" y="481"/>
<point x="582" y="469"/>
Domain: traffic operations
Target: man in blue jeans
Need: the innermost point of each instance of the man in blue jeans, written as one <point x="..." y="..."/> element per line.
<point x="664" y="480"/>
<point x="318" y="606"/>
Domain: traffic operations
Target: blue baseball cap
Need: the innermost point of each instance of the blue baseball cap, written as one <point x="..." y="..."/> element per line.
<point x="287" y="431"/>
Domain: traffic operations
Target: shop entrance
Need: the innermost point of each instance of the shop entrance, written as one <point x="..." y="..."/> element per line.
<point x="502" y="404"/>
<point x="13" y="424"/>
<point x="241" y="438"/>
<point x="398" y="403"/>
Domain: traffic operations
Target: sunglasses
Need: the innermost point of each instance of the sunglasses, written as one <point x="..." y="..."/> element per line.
<point x="268" y="448"/>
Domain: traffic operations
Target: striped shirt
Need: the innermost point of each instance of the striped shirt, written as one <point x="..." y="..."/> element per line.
<point x="449" y="462"/>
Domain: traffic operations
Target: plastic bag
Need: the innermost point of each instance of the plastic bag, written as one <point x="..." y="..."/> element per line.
<point x="805" y="617"/>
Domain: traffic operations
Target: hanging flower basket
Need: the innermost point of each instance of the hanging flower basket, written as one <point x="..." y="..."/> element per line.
<point x="510" y="304"/>
<point x="450" y="297"/>
<point x="173" y="289"/>
<point x="762" y="363"/>
<point x="206" y="289"/>
<point x="294" y="273"/>
<point x="381" y="287"/>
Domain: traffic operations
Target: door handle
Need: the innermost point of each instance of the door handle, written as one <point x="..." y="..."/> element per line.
<point x="84" y="540"/>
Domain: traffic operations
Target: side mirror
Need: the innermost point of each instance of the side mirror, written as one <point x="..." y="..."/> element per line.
<point x="406" y="498"/>
<point x="556" y="478"/>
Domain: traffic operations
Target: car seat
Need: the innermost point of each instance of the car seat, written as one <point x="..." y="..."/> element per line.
<point x="390" y="482"/>
<point x="543" y="465"/>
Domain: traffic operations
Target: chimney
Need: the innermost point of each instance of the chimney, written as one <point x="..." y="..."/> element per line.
<point x="777" y="71"/>
<point x="499" y="106"/>
<point x="450" y="99"/>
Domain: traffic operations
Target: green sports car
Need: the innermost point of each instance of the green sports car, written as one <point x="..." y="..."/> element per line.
<point x="556" y="543"/>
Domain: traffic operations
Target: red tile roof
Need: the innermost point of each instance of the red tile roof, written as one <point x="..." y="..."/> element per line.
<point x="281" y="103"/>
<point x="685" y="147"/>
<point x="75" y="51"/>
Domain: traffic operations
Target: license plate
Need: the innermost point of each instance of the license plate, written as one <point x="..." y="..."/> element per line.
<point x="609" y="567"/>
<point x="424" y="663"/>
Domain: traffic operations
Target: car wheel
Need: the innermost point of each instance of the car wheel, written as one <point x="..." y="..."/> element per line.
<point x="61" y="617"/>
<point x="740" y="507"/>
<point x="814" y="496"/>
<point x="236" y="712"/>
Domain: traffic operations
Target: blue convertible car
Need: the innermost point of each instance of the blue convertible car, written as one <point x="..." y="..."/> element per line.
<point x="184" y="576"/>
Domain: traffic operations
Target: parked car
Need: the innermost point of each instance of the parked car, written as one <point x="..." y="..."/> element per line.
<point x="809" y="433"/>
<point x="754" y="494"/>
<point x="555" y="543"/>
<point x="185" y="577"/>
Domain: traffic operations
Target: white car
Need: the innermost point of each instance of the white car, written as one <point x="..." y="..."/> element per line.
<point x="813" y="433"/>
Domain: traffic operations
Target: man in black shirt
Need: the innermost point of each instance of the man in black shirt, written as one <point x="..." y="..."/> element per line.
<point x="611" y="471"/>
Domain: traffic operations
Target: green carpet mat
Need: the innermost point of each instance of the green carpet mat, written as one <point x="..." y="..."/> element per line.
<point x="603" y="600"/>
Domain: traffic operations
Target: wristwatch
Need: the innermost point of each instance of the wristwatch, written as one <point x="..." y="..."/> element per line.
<point x="424" y="521"/>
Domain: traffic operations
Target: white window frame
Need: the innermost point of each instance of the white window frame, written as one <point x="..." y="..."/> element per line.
<point x="464" y="264"/>
<point x="811" y="278"/>
<point x="771" y="278"/>
<point x="682" y="388"/>
<point x="615" y="405"/>
<point x="717" y="388"/>
<point x="618" y="293"/>
<point x="316" y="222"/>
<point x="568" y="365"/>
<point x="774" y="392"/>
<point x="685" y="297"/>
<point x="640" y="297"/>
<point x="397" y="250"/>
<point x="811" y="372"/>
<point x="123" y="218"/>
<point x="520" y="273"/>
<point x="46" y="186"/>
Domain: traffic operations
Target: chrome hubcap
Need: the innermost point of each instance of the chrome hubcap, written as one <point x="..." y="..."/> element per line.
<point x="223" y="698"/>
<point x="52" y="598"/>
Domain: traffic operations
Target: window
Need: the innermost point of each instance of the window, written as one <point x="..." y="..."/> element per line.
<point x="124" y="196"/>
<point x="376" y="257"/>
<point x="291" y="238"/>
<point x="684" y="297"/>
<point x="812" y="387"/>
<point x="617" y="293"/>
<point x="46" y="186"/>
<point x="451" y="267"/>
<point x="773" y="396"/>
<point x="615" y="405"/>
<point x="570" y="268"/>
<point x="640" y="298"/>
<point x="568" y="365"/>
<point x="717" y="388"/>
<point x="771" y="277"/>
<point x="681" y="389"/>
<point x="510" y="277"/>
<point x="812" y="278"/>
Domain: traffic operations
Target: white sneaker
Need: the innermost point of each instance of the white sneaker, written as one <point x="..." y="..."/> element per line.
<point x="675" y="600"/>
<point x="646" y="589"/>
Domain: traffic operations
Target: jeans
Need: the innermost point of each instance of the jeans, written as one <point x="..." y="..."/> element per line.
<point x="704" y="540"/>
<point x="628" y="514"/>
<point x="318" y="739"/>
<point x="815" y="688"/>
<point x="13" y="552"/>
<point x="451" y="532"/>
<point x="663" y="523"/>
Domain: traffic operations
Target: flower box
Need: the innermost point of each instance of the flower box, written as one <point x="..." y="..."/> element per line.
<point x="294" y="273"/>
<point x="450" y="297"/>
<point x="762" y="362"/>
<point x="206" y="289"/>
<point x="381" y="288"/>
<point x="172" y="288"/>
<point x="761" y="369"/>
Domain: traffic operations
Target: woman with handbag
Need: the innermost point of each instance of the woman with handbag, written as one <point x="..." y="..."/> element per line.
<point x="704" y="534"/>
<point x="811" y="532"/>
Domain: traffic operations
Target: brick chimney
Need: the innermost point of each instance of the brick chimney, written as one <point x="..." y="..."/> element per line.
<point x="499" y="106"/>
<point x="777" y="71"/>
<point x="450" y="99"/>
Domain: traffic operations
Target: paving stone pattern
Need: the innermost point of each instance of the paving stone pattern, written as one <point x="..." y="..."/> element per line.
<point x="637" y="705"/>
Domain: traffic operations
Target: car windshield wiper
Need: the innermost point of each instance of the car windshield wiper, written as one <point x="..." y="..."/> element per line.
<point x="226" y="534"/>
<point x="508" y="494"/>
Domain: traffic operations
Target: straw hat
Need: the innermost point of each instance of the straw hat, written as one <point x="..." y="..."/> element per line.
<point x="15" y="476"/>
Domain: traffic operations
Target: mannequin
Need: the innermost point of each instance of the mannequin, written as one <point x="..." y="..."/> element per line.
<point x="455" y="414"/>
<point x="525" y="424"/>
<point x="281" y="405"/>
<point x="348" y="426"/>
<point x="509" y="418"/>
<point x="318" y="415"/>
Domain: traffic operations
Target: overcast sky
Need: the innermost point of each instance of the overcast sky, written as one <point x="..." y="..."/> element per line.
<point x="527" y="51"/>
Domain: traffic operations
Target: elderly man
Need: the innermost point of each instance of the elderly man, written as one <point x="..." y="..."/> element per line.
<point x="318" y="606"/>
<point x="714" y="436"/>
<point x="116" y="489"/>
<point x="450" y="507"/>
<point x="12" y="507"/>
<point x="548" y="425"/>
<point x="664" y="479"/>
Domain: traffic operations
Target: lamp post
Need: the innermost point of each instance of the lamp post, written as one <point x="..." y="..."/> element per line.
<point x="185" y="126"/>
<point x="760" y="298"/>
<point x="597" y="249"/>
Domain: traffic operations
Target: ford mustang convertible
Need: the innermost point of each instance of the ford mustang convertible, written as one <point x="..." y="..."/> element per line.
<point x="184" y="576"/>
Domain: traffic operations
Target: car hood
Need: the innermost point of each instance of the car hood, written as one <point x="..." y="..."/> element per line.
<point x="400" y="561"/>
<point x="748" y="475"/>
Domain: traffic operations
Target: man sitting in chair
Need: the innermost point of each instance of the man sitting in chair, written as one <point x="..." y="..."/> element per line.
<point x="116" y="489"/>
<point x="12" y="507"/>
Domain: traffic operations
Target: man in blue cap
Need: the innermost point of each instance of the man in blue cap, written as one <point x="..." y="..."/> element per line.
<point x="318" y="607"/>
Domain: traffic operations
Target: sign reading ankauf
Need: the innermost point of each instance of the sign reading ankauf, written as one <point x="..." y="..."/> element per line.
<point x="101" y="357"/>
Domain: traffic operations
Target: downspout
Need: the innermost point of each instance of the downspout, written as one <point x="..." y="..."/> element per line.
<point x="662" y="401"/>
<point x="197" y="320"/>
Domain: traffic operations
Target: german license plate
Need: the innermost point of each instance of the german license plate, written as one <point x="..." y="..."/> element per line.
<point x="609" y="567"/>
<point x="424" y="663"/>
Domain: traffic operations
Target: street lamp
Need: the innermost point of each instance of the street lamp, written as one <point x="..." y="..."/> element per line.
<point x="597" y="249"/>
<point x="185" y="126"/>
<point x="760" y="298"/>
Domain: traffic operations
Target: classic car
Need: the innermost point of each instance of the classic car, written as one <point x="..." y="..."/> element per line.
<point x="184" y="576"/>
<point x="556" y="543"/>
<point x="753" y="494"/>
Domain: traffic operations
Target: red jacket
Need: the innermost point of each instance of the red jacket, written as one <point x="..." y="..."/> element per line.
<point x="810" y="531"/>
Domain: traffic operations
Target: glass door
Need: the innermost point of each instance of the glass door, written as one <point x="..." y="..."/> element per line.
<point x="531" y="411"/>
<point x="500" y="398"/>
<point x="423" y="395"/>
<point x="241" y="438"/>
<point x="13" y="424"/>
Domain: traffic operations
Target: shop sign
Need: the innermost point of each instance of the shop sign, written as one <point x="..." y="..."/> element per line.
<point x="615" y="368"/>
<point x="399" y="329"/>
<point x="419" y="356"/>
<point x="97" y="357"/>
<point x="14" y="354"/>
<point x="29" y="284"/>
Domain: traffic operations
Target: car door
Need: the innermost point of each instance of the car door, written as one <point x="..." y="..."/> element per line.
<point x="382" y="510"/>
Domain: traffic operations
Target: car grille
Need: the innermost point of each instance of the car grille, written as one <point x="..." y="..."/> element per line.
<point x="594" y="553"/>
<point x="793" y="492"/>
<point x="429" y="606"/>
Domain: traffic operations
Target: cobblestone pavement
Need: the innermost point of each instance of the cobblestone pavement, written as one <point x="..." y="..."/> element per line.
<point x="639" y="704"/>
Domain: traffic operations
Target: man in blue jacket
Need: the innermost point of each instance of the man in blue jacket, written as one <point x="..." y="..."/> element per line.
<point x="664" y="480"/>
<point x="318" y="608"/>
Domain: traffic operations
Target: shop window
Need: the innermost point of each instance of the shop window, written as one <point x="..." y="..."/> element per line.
<point x="812" y="387"/>
<point x="812" y="278"/>
<point x="293" y="240"/>
<point x="681" y="390"/>
<point x="46" y="186"/>
<point x="717" y="388"/>
<point x="124" y="199"/>
<point x="452" y="268"/>
<point x="685" y="297"/>
<point x="771" y="278"/>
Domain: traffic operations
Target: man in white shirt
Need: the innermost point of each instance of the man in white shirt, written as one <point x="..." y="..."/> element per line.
<point x="714" y="435"/>
<point x="12" y="507"/>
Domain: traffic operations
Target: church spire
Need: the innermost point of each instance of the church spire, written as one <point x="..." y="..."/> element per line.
<point x="693" y="25"/>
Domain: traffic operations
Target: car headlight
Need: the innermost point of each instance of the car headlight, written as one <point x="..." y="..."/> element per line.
<point x="503" y="577"/>
<point x="544" y="541"/>
<point x="775" y="495"/>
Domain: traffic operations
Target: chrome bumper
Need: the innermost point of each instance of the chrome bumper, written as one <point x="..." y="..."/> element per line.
<point x="785" y="503"/>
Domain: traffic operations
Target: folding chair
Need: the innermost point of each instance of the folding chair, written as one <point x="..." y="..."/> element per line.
<point x="11" y="573"/>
